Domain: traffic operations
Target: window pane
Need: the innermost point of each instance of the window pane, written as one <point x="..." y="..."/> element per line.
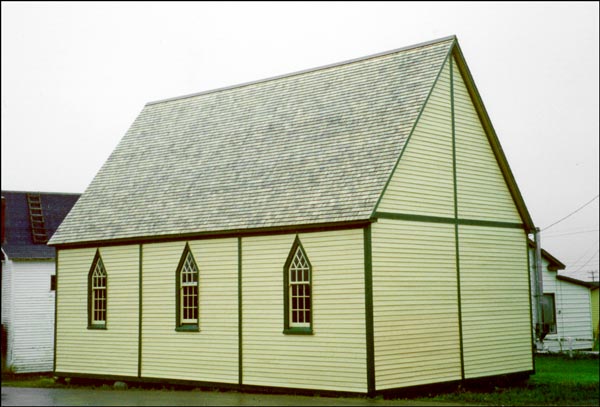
<point x="189" y="290"/>
<point x="98" y="281"/>
<point x="299" y="291"/>
<point x="548" y="309"/>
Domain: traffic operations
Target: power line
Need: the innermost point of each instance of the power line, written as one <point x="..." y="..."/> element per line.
<point x="573" y="229"/>
<point x="585" y="264"/>
<point x="572" y="213"/>
<point x="585" y="252"/>
<point x="571" y="233"/>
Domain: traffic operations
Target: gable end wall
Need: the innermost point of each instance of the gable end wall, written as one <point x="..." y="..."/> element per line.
<point x="449" y="237"/>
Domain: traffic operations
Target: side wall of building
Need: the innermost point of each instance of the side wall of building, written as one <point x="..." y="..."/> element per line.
<point x="450" y="277"/>
<point x="494" y="301"/>
<point x="334" y="356"/>
<point x="494" y="278"/>
<point x="110" y="351"/>
<point x="29" y="315"/>
<point x="574" y="317"/>
<point x="595" y="311"/>
<point x="213" y="353"/>
<point x="415" y="304"/>
<point x="572" y="311"/>
<point x="7" y="266"/>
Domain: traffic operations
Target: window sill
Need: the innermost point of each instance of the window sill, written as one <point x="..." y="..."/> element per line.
<point x="298" y="331"/>
<point x="188" y="328"/>
<point x="97" y="327"/>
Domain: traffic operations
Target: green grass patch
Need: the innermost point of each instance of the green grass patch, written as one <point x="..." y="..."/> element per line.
<point x="562" y="370"/>
<point x="558" y="381"/>
<point x="29" y="380"/>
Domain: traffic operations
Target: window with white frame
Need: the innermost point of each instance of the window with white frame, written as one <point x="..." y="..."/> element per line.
<point x="187" y="280"/>
<point x="298" y="291"/>
<point x="97" y="301"/>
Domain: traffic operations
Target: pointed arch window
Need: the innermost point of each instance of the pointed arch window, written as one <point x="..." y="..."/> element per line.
<point x="187" y="292"/>
<point x="97" y="294"/>
<point x="298" y="291"/>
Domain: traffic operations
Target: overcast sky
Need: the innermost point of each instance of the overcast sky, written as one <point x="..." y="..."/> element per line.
<point x="75" y="76"/>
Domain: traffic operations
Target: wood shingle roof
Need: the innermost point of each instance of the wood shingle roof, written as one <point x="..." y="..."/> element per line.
<point x="315" y="147"/>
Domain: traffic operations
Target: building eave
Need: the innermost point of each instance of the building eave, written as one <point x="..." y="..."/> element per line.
<point x="306" y="228"/>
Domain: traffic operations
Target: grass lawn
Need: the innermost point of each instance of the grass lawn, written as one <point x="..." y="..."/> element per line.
<point x="558" y="381"/>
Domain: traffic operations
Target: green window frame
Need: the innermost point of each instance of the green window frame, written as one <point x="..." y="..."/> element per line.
<point x="97" y="294"/>
<point x="297" y="292"/>
<point x="187" y="279"/>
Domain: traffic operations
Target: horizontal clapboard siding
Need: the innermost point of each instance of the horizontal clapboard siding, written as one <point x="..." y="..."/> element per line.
<point x="210" y="354"/>
<point x="111" y="351"/>
<point x="422" y="184"/>
<point x="7" y="308"/>
<point x="415" y="304"/>
<point x="482" y="190"/>
<point x="573" y="318"/>
<point x="334" y="356"/>
<point x="595" y="311"/>
<point x="495" y="301"/>
<point x="32" y="325"/>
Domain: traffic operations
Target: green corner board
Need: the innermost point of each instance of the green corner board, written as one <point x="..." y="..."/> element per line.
<point x="240" y="315"/>
<point x="370" y="341"/>
<point x="140" y="290"/>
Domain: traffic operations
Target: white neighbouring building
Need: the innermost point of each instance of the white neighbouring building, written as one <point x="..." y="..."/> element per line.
<point x="566" y="307"/>
<point x="28" y="268"/>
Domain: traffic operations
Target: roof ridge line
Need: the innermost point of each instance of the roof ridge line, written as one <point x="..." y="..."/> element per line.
<point x="41" y="192"/>
<point x="303" y="71"/>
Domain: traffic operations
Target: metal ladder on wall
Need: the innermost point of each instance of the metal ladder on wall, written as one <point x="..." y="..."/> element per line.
<point x="36" y="218"/>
